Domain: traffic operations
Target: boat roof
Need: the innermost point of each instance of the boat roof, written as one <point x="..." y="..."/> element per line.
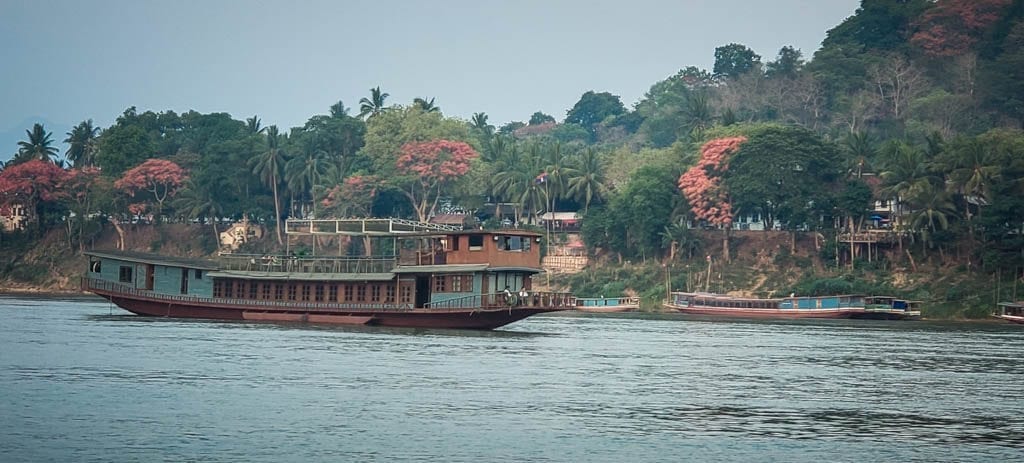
<point x="443" y="268"/>
<point x="156" y="259"/>
<point x="741" y="298"/>
<point x="305" y="276"/>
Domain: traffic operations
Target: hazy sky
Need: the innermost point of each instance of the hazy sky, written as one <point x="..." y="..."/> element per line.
<point x="66" y="61"/>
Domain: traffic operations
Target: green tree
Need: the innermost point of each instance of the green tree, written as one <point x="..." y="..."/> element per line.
<point x="199" y="201"/>
<point x="82" y="144"/>
<point x="734" y="60"/>
<point x="539" y="118"/>
<point x="787" y="65"/>
<point x="268" y="166"/>
<point x="303" y="172"/>
<point x="426" y="105"/>
<point x="589" y="185"/>
<point x="37" y="146"/>
<point x="374" y="105"/>
<point x="593" y="108"/>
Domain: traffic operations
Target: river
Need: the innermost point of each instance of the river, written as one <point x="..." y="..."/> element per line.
<point x="83" y="381"/>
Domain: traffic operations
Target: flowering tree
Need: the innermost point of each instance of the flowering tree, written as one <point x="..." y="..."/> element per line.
<point x="82" y="186"/>
<point x="353" y="197"/>
<point x="703" y="188"/>
<point x="159" y="177"/>
<point x="31" y="184"/>
<point x="953" y="27"/>
<point x="428" y="167"/>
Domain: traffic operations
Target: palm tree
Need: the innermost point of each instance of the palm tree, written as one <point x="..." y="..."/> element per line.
<point x="427" y="106"/>
<point x="303" y="172"/>
<point x="252" y="125"/>
<point x="861" y="150"/>
<point x="268" y="167"/>
<point x="588" y="184"/>
<point x="338" y="110"/>
<point x="697" y="115"/>
<point x="517" y="181"/>
<point x="559" y="169"/>
<point x="197" y="201"/>
<point x="82" y="144"/>
<point x="38" y="145"/>
<point x="974" y="169"/>
<point x="370" y="107"/>
<point x="934" y="208"/>
<point x="479" y="122"/>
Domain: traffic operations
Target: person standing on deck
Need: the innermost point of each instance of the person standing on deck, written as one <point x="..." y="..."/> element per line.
<point x="524" y="295"/>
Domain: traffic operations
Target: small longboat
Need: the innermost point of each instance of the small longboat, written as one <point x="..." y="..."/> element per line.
<point x="431" y="276"/>
<point x="1012" y="312"/>
<point x="719" y="305"/>
<point x="889" y="308"/>
<point x="607" y="304"/>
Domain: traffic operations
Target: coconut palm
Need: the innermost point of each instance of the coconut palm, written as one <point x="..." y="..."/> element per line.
<point x="479" y="122"/>
<point x="252" y="125"/>
<point x="588" y="184"/>
<point x="338" y="110"/>
<point x="268" y="167"/>
<point x="518" y="183"/>
<point x="933" y="210"/>
<point x="559" y="168"/>
<point x="370" y="107"/>
<point x="861" y="151"/>
<point x="427" y="106"/>
<point x="198" y="201"/>
<point x="81" y="142"/>
<point x="38" y="146"/>
<point x="974" y="168"/>
<point x="303" y="172"/>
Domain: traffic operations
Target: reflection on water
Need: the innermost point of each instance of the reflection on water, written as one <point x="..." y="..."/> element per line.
<point x="82" y="382"/>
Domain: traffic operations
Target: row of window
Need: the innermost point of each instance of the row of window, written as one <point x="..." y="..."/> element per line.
<point x="316" y="292"/>
<point x="456" y="283"/>
<point x="504" y="243"/>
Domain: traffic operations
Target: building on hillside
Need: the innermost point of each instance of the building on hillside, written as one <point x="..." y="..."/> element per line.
<point x="238" y="234"/>
<point x="14" y="216"/>
<point x="561" y="221"/>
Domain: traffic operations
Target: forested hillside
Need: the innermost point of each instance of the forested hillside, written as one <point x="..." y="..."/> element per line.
<point x="913" y="101"/>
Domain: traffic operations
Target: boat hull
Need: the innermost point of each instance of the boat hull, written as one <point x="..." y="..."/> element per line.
<point x="478" y="318"/>
<point x="606" y="309"/>
<point x="1011" y="319"/>
<point x="764" y="313"/>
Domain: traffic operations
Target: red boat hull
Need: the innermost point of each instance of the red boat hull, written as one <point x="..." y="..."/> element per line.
<point x="482" y="319"/>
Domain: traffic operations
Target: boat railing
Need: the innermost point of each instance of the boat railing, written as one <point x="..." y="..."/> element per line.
<point x="308" y="264"/>
<point x="501" y="300"/>
<point x="119" y="289"/>
<point x="607" y="301"/>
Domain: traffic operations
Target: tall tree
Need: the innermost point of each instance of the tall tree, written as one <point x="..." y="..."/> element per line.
<point x="588" y="185"/>
<point x="268" y="166"/>
<point x="702" y="186"/>
<point x="303" y="172"/>
<point x="338" y="110"/>
<point x="253" y="126"/>
<point x="31" y="184"/>
<point x="82" y="144"/>
<point x="374" y="105"/>
<point x="787" y="64"/>
<point x="37" y="146"/>
<point x="198" y="201"/>
<point x="593" y="108"/>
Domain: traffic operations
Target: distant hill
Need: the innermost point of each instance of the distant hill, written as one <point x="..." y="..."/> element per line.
<point x="10" y="136"/>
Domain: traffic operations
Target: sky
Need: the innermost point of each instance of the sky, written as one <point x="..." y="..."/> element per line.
<point x="66" y="61"/>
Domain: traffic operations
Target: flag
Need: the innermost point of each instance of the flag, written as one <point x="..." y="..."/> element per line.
<point x="543" y="177"/>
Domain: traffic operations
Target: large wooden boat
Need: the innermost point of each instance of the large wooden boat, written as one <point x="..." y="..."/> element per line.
<point x="607" y="304"/>
<point x="784" y="307"/>
<point x="1011" y="311"/>
<point x="436" y="277"/>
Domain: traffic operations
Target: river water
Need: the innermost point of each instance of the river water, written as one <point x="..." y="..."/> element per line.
<point x="81" y="381"/>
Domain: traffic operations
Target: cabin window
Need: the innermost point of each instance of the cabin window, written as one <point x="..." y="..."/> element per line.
<point x="348" y="292"/>
<point x="125" y="274"/>
<point x="375" y="293"/>
<point x="389" y="294"/>
<point x="476" y="242"/>
<point x="199" y="274"/>
<point x="455" y="243"/>
<point x="292" y="291"/>
<point x="95" y="265"/>
<point x="305" y="292"/>
<point x="265" y="291"/>
<point x="361" y="293"/>
<point x="278" y="291"/>
<point x="406" y="293"/>
<point x="217" y="288"/>
<point x="319" y="293"/>
<point x="440" y="285"/>
<point x="332" y="293"/>
<point x="461" y="283"/>
<point x="252" y="289"/>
